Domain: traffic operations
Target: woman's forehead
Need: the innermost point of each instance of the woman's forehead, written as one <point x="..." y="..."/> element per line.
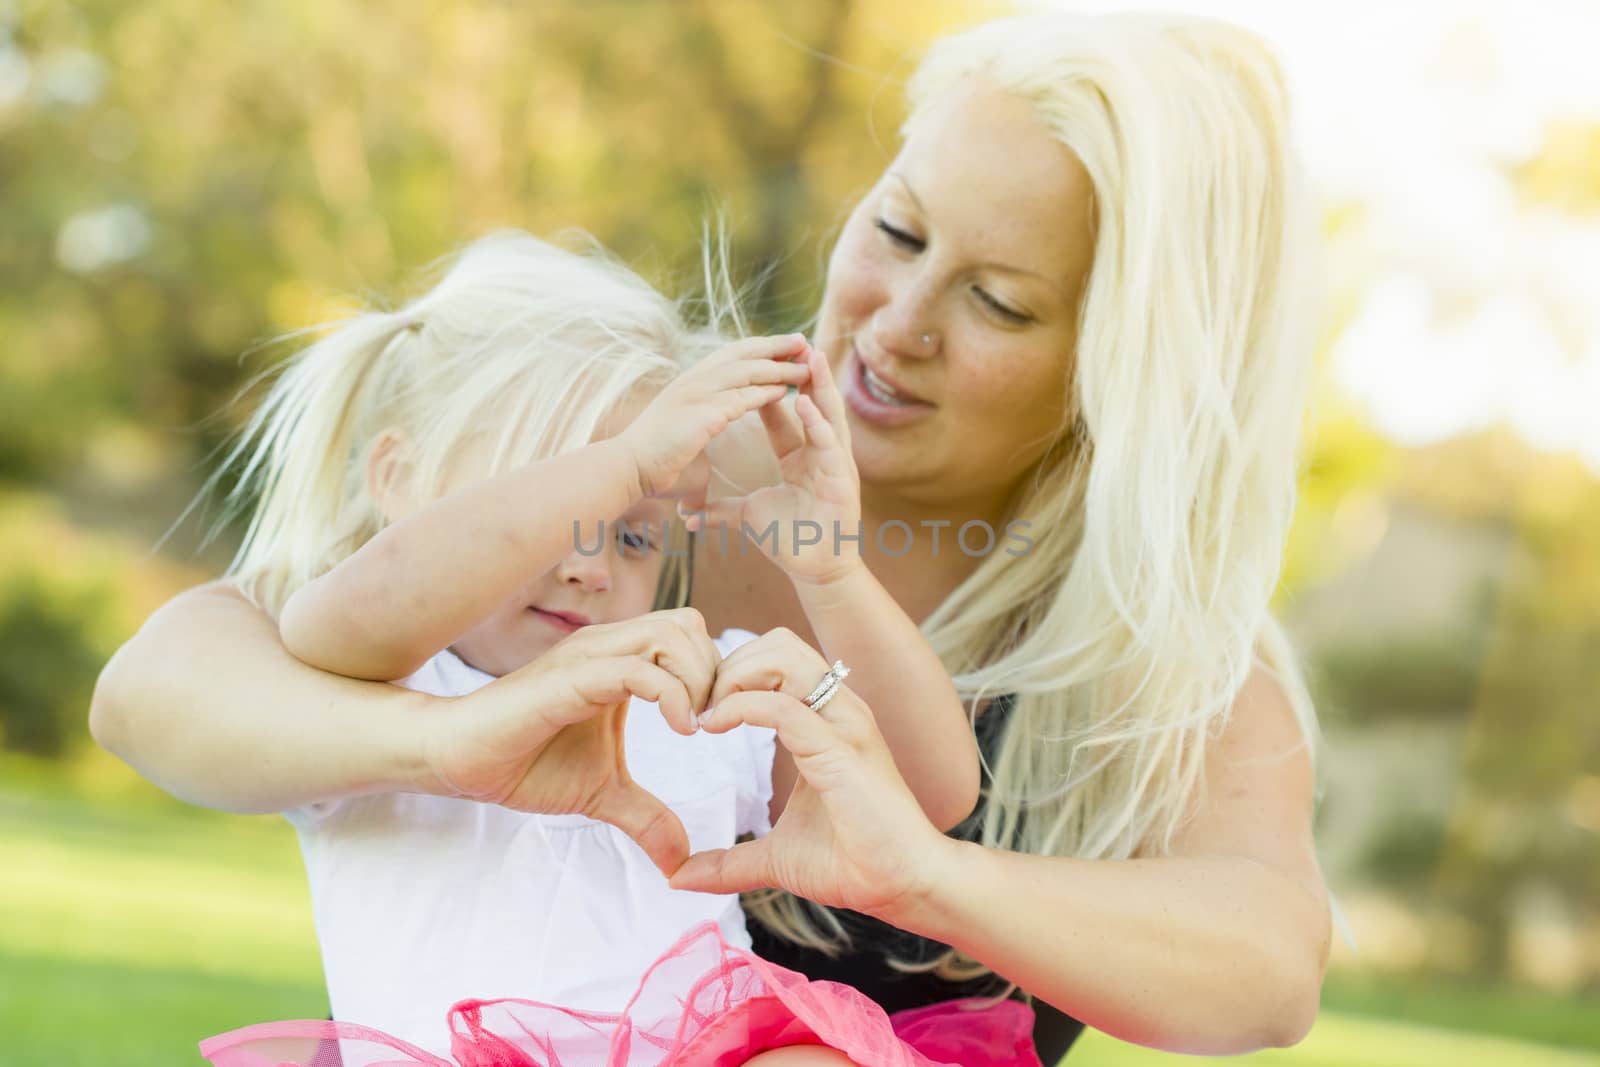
<point x="991" y="176"/>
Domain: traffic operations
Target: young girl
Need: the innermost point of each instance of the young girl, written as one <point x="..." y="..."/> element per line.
<point x="432" y="483"/>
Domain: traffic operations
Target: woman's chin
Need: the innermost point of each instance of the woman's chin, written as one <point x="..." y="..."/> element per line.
<point x="884" y="459"/>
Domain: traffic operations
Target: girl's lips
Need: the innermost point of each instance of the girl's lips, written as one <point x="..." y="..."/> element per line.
<point x="868" y="407"/>
<point x="562" y="620"/>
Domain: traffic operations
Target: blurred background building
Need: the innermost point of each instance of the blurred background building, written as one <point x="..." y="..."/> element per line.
<point x="181" y="182"/>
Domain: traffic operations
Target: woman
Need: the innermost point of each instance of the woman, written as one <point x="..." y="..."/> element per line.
<point x="1075" y="301"/>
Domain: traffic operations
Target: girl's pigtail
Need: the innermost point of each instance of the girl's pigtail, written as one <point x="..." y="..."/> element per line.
<point x="297" y="457"/>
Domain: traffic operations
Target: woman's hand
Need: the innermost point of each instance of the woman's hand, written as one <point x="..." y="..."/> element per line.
<point x="851" y="835"/>
<point x="549" y="738"/>
<point x="821" y="486"/>
<point x="673" y="431"/>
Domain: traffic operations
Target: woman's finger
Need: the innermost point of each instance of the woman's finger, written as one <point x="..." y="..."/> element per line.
<point x="727" y="870"/>
<point x="638" y="813"/>
<point x="801" y="730"/>
<point x="776" y="661"/>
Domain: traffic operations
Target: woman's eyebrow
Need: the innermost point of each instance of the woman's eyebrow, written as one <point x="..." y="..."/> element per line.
<point x="912" y="193"/>
<point x="1004" y="268"/>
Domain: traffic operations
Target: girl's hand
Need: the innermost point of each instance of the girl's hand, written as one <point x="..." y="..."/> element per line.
<point x="851" y="835"/>
<point x="673" y="431"/>
<point x="821" y="492"/>
<point x="549" y="738"/>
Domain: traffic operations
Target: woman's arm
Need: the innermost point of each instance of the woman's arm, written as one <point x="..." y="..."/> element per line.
<point x="1219" y="948"/>
<point x="207" y="703"/>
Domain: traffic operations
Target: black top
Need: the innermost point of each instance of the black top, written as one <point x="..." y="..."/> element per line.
<point x="873" y="943"/>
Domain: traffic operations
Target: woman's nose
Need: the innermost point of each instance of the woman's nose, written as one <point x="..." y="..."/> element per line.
<point x="906" y="325"/>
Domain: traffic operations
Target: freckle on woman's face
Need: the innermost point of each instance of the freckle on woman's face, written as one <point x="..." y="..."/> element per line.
<point x="978" y="238"/>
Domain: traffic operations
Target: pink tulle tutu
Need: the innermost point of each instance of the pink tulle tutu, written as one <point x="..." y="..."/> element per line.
<point x="702" y="1004"/>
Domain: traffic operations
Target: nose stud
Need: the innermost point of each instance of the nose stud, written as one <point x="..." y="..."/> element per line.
<point x="927" y="339"/>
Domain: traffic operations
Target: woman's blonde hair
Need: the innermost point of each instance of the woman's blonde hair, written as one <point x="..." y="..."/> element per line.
<point x="1159" y="520"/>
<point x="522" y="341"/>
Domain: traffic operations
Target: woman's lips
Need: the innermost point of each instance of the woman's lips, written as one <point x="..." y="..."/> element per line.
<point x="860" y="396"/>
<point x="565" y="621"/>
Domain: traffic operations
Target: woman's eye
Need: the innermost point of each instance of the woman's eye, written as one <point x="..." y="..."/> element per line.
<point x="900" y="237"/>
<point x="1010" y="314"/>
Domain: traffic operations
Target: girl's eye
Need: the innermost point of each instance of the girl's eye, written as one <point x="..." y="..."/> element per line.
<point x="635" y="541"/>
<point x="1009" y="314"/>
<point x="901" y="238"/>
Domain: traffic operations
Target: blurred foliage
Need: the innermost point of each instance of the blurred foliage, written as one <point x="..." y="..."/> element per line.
<point x="1565" y="173"/>
<point x="67" y="599"/>
<point x="183" y="182"/>
<point x="1406" y="849"/>
<point x="1433" y="675"/>
<point x="47" y="664"/>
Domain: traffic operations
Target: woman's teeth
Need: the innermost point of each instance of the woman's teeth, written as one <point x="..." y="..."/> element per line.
<point x="881" y="390"/>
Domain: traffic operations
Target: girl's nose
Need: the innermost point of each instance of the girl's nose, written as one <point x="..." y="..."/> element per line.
<point x="592" y="573"/>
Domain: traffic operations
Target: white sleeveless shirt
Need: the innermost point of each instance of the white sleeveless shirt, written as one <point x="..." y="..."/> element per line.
<point x="421" y="901"/>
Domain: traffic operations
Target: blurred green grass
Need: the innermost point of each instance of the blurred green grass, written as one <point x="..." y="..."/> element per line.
<point x="134" y="926"/>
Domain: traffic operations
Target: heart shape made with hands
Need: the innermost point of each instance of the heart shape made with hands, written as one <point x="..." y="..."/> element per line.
<point x="570" y="757"/>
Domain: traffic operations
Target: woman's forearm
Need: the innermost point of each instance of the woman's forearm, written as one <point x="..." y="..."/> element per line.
<point x="430" y="577"/>
<point x="895" y="672"/>
<point x="1210" y="955"/>
<point x="205" y="702"/>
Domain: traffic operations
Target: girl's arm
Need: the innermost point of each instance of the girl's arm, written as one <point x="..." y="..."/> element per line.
<point x="897" y="673"/>
<point x="430" y="577"/>
<point x="852" y="616"/>
<point x="1218" y="947"/>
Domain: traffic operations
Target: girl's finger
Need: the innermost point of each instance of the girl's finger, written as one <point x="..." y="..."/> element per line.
<point x="600" y="683"/>
<point x="725" y="511"/>
<point x="828" y="454"/>
<point x="782" y="346"/>
<point x="759" y="373"/>
<point x="783" y="430"/>
<point x="824" y="390"/>
<point x="725" y="407"/>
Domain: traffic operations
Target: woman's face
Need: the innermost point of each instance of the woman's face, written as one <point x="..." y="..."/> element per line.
<point x="951" y="307"/>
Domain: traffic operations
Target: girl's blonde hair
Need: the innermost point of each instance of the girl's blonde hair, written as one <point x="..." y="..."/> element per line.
<point x="1159" y="519"/>
<point x="527" y="343"/>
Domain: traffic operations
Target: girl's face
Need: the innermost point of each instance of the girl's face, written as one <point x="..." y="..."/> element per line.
<point x="597" y="581"/>
<point x="951" y="307"/>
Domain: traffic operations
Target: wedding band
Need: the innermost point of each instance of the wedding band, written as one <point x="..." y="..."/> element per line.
<point x="828" y="686"/>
